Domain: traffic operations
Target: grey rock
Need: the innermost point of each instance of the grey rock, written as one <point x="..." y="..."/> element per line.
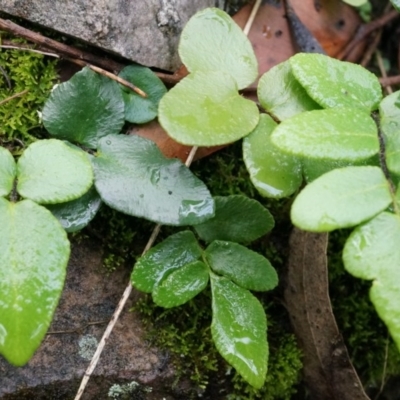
<point x="87" y="304"/>
<point x="146" y="32"/>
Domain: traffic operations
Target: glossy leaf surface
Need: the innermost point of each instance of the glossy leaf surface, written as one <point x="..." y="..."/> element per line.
<point x="181" y="285"/>
<point x="50" y="171"/>
<point x="390" y="124"/>
<point x="8" y="170"/>
<point x="173" y="253"/>
<point x="239" y="329"/>
<point x="282" y="95"/>
<point x="333" y="83"/>
<point x="372" y="252"/>
<point x="238" y="219"/>
<point x="84" y="109"/>
<point x="336" y="134"/>
<point x="341" y="198"/>
<point x="34" y="252"/>
<point x="274" y="173"/>
<point x="140" y="109"/>
<point x="205" y="109"/>
<point x="212" y="41"/>
<point x="246" y="268"/>
<point x="134" y="177"/>
<point x="76" y="214"/>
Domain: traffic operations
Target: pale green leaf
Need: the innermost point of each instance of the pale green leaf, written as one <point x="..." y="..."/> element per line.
<point x="372" y="252"/>
<point x="134" y="177"/>
<point x="212" y="41"/>
<point x="341" y="198"/>
<point x="273" y="172"/>
<point x="282" y="95"/>
<point x="238" y="219"/>
<point x="355" y="3"/>
<point x="390" y="124"/>
<point x="50" y="171"/>
<point x="140" y="109"/>
<point x="84" y="109"/>
<point x="8" y="171"/>
<point x="396" y="4"/>
<point x="333" y="83"/>
<point x="34" y="252"/>
<point x="334" y="134"/>
<point x="205" y="109"/>
<point x="171" y="254"/>
<point x="181" y="285"/>
<point x="239" y="330"/>
<point x="246" y="268"/>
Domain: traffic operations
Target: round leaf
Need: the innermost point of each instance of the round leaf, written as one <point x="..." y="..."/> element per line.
<point x="173" y="253"/>
<point x="34" y="252"/>
<point x="281" y="94"/>
<point x="238" y="219"/>
<point x="333" y="83"/>
<point x="50" y="171"/>
<point x="134" y="177"/>
<point x="140" y="109"/>
<point x="372" y="252"/>
<point x="205" y="109"/>
<point x="8" y="170"/>
<point x="84" y="109"/>
<point x="390" y="123"/>
<point x="341" y="198"/>
<point x="273" y="172"/>
<point x="212" y="41"/>
<point x="181" y="285"/>
<point x="335" y="134"/>
<point x="76" y="214"/>
<point x="246" y="268"/>
<point x="239" y="330"/>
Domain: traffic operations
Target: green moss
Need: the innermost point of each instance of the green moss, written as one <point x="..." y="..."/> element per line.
<point x="130" y="391"/>
<point x="23" y="71"/>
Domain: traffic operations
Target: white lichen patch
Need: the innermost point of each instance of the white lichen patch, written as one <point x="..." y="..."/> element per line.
<point x="87" y="346"/>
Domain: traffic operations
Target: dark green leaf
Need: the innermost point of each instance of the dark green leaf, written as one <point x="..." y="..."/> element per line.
<point x="205" y="109"/>
<point x="273" y="172"/>
<point x="134" y="177"/>
<point x="239" y="330"/>
<point x="34" y="252"/>
<point x="84" y="109"/>
<point x="341" y="198"/>
<point x="140" y="109"/>
<point x="246" y="268"/>
<point x="171" y="254"/>
<point x="238" y="219"/>
<point x="8" y="171"/>
<point x="181" y="285"/>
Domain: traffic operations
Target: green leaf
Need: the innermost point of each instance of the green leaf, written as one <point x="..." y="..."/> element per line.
<point x="237" y="218"/>
<point x="246" y="268"/>
<point x="140" y="109"/>
<point x="333" y="83"/>
<point x="239" y="330"/>
<point x="171" y="254"/>
<point x="8" y="171"/>
<point x="390" y="123"/>
<point x="50" y="171"/>
<point x="76" y="214"/>
<point x="335" y="134"/>
<point x="372" y="252"/>
<point x="396" y="4"/>
<point x="181" y="285"/>
<point x="273" y="172"/>
<point x="212" y="41"/>
<point x="34" y="252"/>
<point x="281" y="94"/>
<point x="355" y="3"/>
<point x="134" y="177"/>
<point x="341" y="198"/>
<point x="205" y="109"/>
<point x="84" y="109"/>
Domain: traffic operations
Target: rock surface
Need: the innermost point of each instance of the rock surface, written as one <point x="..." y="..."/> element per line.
<point x="87" y="303"/>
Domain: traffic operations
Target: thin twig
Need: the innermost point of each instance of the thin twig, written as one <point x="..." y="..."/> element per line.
<point x="371" y="48"/>
<point x="252" y="16"/>
<point x="6" y="77"/>
<point x="385" y="362"/>
<point x="14" y="96"/>
<point x="32" y="50"/>
<point x="382" y="70"/>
